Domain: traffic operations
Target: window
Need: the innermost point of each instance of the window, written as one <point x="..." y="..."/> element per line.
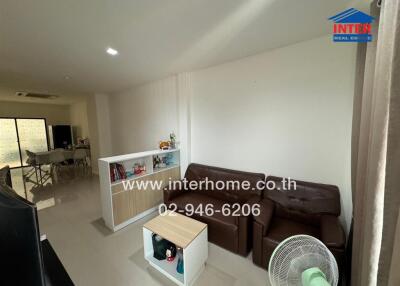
<point x="18" y="135"/>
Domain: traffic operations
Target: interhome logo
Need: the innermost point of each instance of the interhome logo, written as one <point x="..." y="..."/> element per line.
<point x="352" y="26"/>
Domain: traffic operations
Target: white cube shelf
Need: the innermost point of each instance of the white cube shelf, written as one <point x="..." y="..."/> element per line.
<point x="184" y="232"/>
<point x="122" y="206"/>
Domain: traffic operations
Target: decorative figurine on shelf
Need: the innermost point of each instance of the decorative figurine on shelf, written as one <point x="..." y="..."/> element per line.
<point x="156" y="161"/>
<point x="172" y="142"/>
<point x="169" y="159"/>
<point x="171" y="252"/>
<point x="162" y="162"/>
<point x="164" y="145"/>
<point x="179" y="266"/>
<point x="139" y="169"/>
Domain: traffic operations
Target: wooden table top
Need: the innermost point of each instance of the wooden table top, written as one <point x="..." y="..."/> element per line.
<point x="177" y="228"/>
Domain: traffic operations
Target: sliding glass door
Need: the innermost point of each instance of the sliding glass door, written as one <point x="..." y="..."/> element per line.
<point x="32" y="136"/>
<point x="18" y="135"/>
<point x="9" y="148"/>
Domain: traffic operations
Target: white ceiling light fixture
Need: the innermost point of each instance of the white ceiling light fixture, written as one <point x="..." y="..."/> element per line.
<point x="112" y="51"/>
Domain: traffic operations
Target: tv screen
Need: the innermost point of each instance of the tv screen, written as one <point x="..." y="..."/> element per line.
<point x="62" y="136"/>
<point x="20" y="248"/>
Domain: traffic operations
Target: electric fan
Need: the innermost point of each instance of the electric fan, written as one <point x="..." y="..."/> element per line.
<point x="302" y="260"/>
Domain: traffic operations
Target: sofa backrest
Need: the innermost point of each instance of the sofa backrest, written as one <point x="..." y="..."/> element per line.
<point x="305" y="204"/>
<point x="198" y="172"/>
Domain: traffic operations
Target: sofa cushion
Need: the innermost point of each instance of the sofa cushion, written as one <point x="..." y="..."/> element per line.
<point x="222" y="230"/>
<point x="232" y="192"/>
<point x="308" y="202"/>
<point x="308" y="198"/>
<point x="281" y="228"/>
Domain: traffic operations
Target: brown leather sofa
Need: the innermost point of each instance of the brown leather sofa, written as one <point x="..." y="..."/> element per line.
<point x="230" y="232"/>
<point x="312" y="209"/>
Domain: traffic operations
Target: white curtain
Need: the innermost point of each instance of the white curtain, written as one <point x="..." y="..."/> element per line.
<point x="375" y="150"/>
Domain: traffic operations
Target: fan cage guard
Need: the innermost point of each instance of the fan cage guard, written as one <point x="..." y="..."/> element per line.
<point x="296" y="254"/>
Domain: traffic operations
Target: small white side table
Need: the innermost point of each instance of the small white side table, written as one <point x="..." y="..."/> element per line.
<point x="185" y="232"/>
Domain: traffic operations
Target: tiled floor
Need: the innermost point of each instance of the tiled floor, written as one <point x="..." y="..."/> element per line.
<point x="92" y="255"/>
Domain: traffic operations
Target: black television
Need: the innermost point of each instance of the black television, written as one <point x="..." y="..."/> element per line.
<point x="21" y="255"/>
<point x="25" y="259"/>
<point x="60" y="136"/>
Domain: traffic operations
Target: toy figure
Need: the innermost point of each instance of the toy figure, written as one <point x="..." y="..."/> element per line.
<point x="171" y="253"/>
<point x="172" y="141"/>
<point x="163" y="162"/>
<point x="164" y="145"/>
<point x="139" y="169"/>
<point x="156" y="161"/>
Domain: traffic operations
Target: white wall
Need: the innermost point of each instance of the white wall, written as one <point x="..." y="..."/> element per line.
<point x="143" y="116"/>
<point x="286" y="112"/>
<point x="98" y="115"/>
<point x="93" y="132"/>
<point x="54" y="113"/>
<point x="103" y="124"/>
<point x="79" y="120"/>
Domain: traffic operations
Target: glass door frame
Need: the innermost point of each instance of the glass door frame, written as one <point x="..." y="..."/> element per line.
<point x="18" y="140"/>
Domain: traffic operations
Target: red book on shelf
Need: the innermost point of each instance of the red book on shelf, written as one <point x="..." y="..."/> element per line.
<point x="112" y="173"/>
<point x="121" y="171"/>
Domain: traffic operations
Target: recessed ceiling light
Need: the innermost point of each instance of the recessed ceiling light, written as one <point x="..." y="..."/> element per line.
<point x="112" y="52"/>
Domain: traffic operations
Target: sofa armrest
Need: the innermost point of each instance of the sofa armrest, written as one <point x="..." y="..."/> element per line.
<point x="170" y="192"/>
<point x="266" y="212"/>
<point x="332" y="233"/>
<point x="260" y="228"/>
<point x="245" y="223"/>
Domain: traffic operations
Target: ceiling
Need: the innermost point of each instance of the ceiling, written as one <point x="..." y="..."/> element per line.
<point x="58" y="46"/>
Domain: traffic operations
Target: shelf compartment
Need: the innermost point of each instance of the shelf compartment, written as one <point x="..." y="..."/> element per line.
<point x="167" y="268"/>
